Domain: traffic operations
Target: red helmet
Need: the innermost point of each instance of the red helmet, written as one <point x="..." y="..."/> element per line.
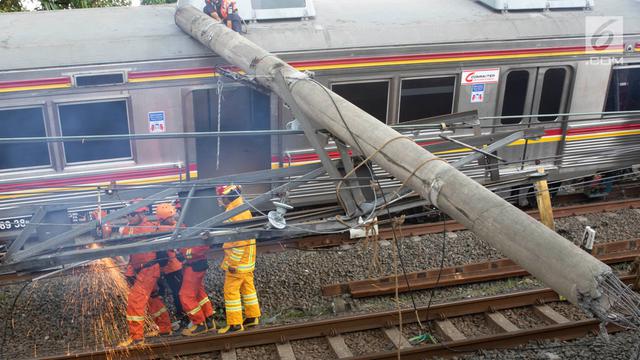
<point x="140" y="209"/>
<point x="222" y="190"/>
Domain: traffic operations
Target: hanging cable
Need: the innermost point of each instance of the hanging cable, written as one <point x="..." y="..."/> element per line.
<point x="220" y="87"/>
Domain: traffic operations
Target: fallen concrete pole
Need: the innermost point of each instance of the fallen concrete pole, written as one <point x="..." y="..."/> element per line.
<point x="551" y="258"/>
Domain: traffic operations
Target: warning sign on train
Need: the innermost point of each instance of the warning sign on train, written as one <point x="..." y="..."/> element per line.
<point x="480" y="76"/>
<point x="156" y="122"/>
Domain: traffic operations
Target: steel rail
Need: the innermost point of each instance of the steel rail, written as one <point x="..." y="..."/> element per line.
<point x="609" y="253"/>
<point x="346" y="324"/>
<point x="566" y="331"/>
<point x="574" y="210"/>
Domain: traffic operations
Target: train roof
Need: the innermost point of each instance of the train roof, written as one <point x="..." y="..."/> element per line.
<point x="49" y="39"/>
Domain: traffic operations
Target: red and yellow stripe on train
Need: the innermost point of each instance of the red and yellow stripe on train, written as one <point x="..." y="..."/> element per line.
<point x="143" y="177"/>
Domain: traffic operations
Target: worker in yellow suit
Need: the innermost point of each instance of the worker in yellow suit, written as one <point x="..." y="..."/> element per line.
<point x="238" y="264"/>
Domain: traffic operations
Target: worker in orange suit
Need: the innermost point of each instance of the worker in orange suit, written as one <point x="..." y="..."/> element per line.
<point x="238" y="264"/>
<point x="194" y="298"/>
<point x="170" y="266"/>
<point x="143" y="272"/>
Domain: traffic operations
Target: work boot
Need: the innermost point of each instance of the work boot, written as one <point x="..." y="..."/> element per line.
<point x="131" y="342"/>
<point x="195" y="330"/>
<point x="175" y="326"/>
<point x="231" y="328"/>
<point x="211" y="323"/>
<point x="156" y="332"/>
<point x="251" y="322"/>
<point x="183" y="323"/>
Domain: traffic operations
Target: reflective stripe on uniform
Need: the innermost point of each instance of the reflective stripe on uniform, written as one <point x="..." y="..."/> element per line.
<point x="250" y="263"/>
<point x="188" y="254"/>
<point x="135" y="318"/>
<point x="159" y="312"/>
<point x="250" y="299"/>
<point x="252" y="252"/>
<point x="233" y="305"/>
<point x="195" y="310"/>
<point x="203" y="301"/>
<point x="246" y="267"/>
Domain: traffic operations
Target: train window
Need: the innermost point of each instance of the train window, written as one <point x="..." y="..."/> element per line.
<point x="551" y="96"/>
<point x="425" y="98"/>
<point x="277" y="9"/>
<point x="96" y="118"/>
<point x="515" y="96"/>
<point x="20" y="123"/>
<point x="624" y="90"/>
<point x="371" y="97"/>
<point x="99" y="79"/>
<point x="278" y="4"/>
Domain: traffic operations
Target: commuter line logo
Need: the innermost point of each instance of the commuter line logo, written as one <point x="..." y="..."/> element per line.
<point x="603" y="33"/>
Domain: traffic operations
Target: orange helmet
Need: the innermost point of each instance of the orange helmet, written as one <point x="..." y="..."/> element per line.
<point x="165" y="211"/>
<point x="226" y="189"/>
<point x="140" y="209"/>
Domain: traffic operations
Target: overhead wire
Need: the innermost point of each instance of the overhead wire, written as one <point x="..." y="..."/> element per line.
<point x="398" y="249"/>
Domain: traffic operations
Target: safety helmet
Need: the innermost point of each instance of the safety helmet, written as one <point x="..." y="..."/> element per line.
<point x="142" y="209"/>
<point x="222" y="190"/>
<point x="165" y="211"/>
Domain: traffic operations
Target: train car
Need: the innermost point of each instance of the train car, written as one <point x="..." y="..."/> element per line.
<point x="573" y="72"/>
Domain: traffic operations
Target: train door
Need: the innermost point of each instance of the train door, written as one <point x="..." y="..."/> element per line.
<point x="240" y="109"/>
<point x="528" y="93"/>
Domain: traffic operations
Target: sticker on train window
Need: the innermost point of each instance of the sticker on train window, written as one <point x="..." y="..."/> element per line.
<point x="480" y="76"/>
<point x="157" y="122"/>
<point x="477" y="93"/>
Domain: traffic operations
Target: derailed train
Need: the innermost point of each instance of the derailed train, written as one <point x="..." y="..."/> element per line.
<point x="573" y="73"/>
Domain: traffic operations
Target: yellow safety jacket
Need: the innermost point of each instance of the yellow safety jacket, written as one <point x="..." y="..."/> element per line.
<point x="239" y="254"/>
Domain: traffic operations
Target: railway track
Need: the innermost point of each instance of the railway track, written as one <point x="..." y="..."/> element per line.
<point x="499" y="328"/>
<point x="385" y="232"/>
<point x="314" y="242"/>
<point x="559" y="212"/>
<point x="609" y="253"/>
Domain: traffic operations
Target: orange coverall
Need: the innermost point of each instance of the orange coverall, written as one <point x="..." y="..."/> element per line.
<point x="146" y="280"/>
<point x="194" y="298"/>
<point x="238" y="288"/>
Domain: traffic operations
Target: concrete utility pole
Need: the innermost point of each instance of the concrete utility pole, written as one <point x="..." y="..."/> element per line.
<point x="551" y="258"/>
